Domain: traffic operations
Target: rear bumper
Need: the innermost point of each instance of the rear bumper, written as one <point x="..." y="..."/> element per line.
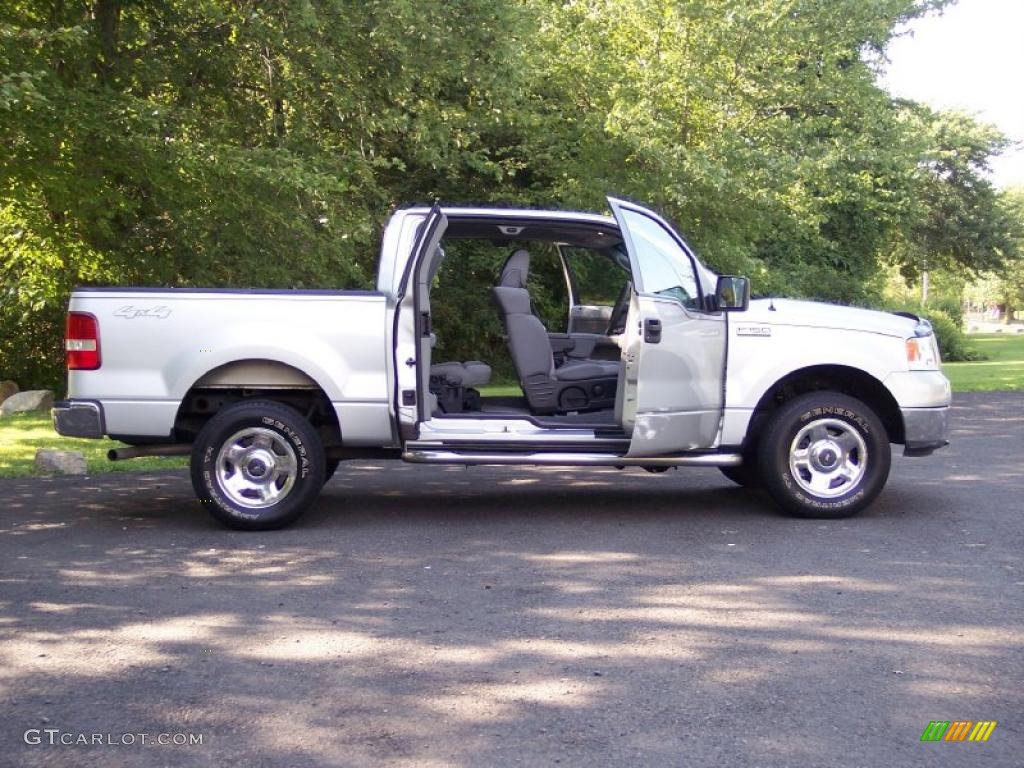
<point x="925" y="430"/>
<point x="78" y="418"/>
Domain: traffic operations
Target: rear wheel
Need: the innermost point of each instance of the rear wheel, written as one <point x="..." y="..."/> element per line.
<point x="257" y="465"/>
<point x="824" y="455"/>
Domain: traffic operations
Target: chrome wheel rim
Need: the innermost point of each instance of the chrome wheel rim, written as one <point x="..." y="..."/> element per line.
<point x="256" y="468"/>
<point x="828" y="458"/>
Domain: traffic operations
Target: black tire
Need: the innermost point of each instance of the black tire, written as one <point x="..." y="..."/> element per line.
<point x="279" y="454"/>
<point x="853" y="438"/>
<point x="330" y="468"/>
<point x="746" y="474"/>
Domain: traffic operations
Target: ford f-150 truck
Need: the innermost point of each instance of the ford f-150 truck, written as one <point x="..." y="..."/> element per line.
<point x="268" y="390"/>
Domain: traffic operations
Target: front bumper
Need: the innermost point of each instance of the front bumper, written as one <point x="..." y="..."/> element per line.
<point x="925" y="430"/>
<point x="78" y="418"/>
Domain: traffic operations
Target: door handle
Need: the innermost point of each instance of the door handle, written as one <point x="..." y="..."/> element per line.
<point x="652" y="330"/>
<point x="411" y="362"/>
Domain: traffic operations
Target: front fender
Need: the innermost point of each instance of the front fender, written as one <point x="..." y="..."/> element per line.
<point x="757" y="363"/>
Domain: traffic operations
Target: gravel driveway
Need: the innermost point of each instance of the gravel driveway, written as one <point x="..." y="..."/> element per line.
<point x="504" y="616"/>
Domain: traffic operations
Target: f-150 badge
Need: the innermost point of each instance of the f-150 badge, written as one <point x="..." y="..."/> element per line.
<point x="753" y="330"/>
<point x="130" y="313"/>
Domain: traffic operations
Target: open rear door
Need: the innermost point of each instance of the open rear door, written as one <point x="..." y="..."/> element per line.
<point x="671" y="389"/>
<point x="414" y="327"/>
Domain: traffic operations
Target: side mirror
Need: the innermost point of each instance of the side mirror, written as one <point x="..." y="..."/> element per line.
<point x="732" y="294"/>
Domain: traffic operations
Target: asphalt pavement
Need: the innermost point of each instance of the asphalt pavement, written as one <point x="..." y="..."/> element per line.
<point x="426" y="616"/>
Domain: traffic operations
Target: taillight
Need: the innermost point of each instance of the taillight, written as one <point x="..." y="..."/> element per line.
<point x="82" y="342"/>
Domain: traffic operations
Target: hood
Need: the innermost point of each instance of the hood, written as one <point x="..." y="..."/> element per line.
<point x="817" y="314"/>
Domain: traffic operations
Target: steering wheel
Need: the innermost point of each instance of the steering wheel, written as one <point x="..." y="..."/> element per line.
<point x="617" y="319"/>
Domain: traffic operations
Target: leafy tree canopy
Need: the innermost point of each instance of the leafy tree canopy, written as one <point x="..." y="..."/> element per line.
<point x="237" y="142"/>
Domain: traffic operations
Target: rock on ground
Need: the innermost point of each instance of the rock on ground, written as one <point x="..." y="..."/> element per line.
<point x="25" y="402"/>
<point x="61" y="462"/>
<point x="7" y="388"/>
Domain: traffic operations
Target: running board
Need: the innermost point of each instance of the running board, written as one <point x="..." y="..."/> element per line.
<point x="574" y="459"/>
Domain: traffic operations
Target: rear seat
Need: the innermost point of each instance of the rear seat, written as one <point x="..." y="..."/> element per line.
<point x="455" y="384"/>
<point x="471" y="374"/>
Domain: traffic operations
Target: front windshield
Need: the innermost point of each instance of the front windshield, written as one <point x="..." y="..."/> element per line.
<point x="665" y="268"/>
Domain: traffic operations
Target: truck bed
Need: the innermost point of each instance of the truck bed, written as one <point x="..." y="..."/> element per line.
<point x="158" y="343"/>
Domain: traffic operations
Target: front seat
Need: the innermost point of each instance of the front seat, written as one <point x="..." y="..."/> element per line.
<point x="576" y="385"/>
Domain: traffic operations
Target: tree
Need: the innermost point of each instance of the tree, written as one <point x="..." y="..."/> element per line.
<point x="1005" y="286"/>
<point x="230" y="143"/>
<point x="959" y="220"/>
<point x="236" y="142"/>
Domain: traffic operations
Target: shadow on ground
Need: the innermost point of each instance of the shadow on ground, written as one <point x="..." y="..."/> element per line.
<point x="500" y="616"/>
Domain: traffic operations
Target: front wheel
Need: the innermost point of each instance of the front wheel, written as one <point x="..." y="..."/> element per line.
<point x="824" y="455"/>
<point x="257" y="465"/>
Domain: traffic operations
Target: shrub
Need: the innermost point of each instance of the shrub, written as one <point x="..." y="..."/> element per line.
<point x="950" y="307"/>
<point x="953" y="344"/>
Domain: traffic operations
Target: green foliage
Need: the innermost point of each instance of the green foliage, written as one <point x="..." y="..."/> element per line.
<point x="263" y="144"/>
<point x="946" y="317"/>
<point x="960" y="221"/>
<point x="466" y="320"/>
<point x="953" y="343"/>
<point x="1005" y="285"/>
<point x="949" y="307"/>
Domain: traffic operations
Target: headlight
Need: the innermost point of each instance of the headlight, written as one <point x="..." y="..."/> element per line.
<point x="923" y="353"/>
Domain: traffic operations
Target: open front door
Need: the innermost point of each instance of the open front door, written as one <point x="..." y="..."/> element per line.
<point x="671" y="389"/>
<point x="414" y="327"/>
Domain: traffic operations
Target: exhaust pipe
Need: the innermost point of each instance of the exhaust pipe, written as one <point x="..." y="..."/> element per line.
<point x="135" y="451"/>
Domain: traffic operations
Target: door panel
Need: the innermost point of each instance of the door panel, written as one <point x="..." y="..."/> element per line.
<point x="674" y="354"/>
<point x="589" y="318"/>
<point x="679" y="380"/>
<point x="626" y="392"/>
<point x="413" y="337"/>
<point x="594" y="281"/>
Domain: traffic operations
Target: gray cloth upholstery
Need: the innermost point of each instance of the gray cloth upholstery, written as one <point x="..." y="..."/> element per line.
<point x="516" y="270"/>
<point x="575" y="370"/>
<point x="527" y="338"/>
<point x="469" y="374"/>
<point x="476" y="374"/>
<point x="576" y="385"/>
<point x="513" y="301"/>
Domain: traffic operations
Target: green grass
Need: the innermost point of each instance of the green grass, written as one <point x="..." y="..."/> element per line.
<point x="21" y="435"/>
<point x="502" y="389"/>
<point x="1003" y="370"/>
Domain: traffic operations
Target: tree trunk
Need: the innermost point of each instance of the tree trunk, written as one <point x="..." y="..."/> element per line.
<point x="107" y="14"/>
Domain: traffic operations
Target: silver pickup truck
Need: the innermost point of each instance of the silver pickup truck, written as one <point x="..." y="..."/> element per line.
<point x="268" y="390"/>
